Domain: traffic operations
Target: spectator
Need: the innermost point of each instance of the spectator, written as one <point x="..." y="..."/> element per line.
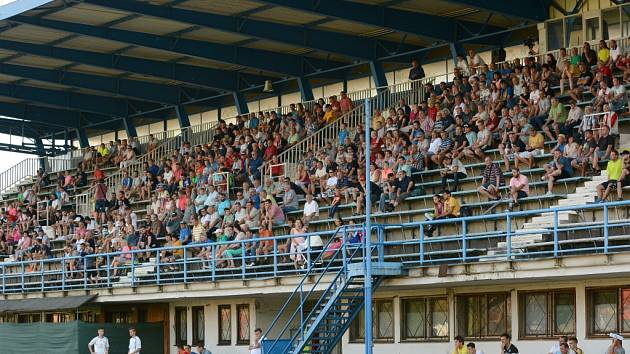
<point x="506" y="345"/>
<point x="605" y="144"/>
<point x="416" y="72"/>
<point x="559" y="168"/>
<point x="460" y="348"/>
<point x="453" y="169"/>
<point x="519" y="186"/>
<point x="535" y="147"/>
<point x="472" y="349"/>
<point x="614" y="171"/>
<point x="492" y="180"/>
<point x="556" y="347"/>
<point x="573" y="345"/>
<point x="616" y="347"/>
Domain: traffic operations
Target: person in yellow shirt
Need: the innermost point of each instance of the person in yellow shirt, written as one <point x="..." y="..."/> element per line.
<point x="603" y="54"/>
<point x="451" y="208"/>
<point x="614" y="170"/>
<point x="535" y="147"/>
<point x="330" y="115"/>
<point x="460" y="348"/>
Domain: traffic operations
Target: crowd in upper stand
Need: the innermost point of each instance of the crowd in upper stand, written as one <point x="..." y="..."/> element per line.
<point x="213" y="192"/>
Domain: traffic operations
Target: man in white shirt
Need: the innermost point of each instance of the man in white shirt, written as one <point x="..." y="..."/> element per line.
<point x="311" y="208"/>
<point x="555" y="349"/>
<point x="99" y="344"/>
<point x="256" y="348"/>
<point x="135" y="345"/>
<point x="472" y="350"/>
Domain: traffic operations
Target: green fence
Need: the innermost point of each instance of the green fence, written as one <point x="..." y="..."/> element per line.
<point x="73" y="337"/>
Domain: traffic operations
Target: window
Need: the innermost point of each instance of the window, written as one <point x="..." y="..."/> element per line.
<point x="547" y="314"/>
<point x="382" y="322"/>
<point x="181" y="325"/>
<point x="425" y="318"/>
<point x="225" y="325"/>
<point x="198" y="325"/>
<point x="242" y="324"/>
<point x="609" y="311"/>
<point x="482" y="316"/>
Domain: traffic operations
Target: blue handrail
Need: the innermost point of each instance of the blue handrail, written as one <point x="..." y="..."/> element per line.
<point x="57" y="274"/>
<point x="299" y="288"/>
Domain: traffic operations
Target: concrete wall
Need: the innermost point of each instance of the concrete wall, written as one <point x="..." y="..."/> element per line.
<point x="266" y="308"/>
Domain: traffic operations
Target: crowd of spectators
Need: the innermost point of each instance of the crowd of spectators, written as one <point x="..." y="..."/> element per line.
<point x="215" y="191"/>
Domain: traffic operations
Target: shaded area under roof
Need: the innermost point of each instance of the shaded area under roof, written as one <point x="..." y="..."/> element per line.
<point x="44" y="304"/>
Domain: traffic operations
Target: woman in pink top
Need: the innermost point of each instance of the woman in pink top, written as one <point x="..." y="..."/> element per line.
<point x="124" y="258"/>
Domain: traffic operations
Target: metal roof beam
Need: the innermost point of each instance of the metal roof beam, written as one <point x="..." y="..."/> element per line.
<point x="214" y="79"/>
<point x="325" y="41"/>
<point x="253" y="58"/>
<point x="69" y="100"/>
<point x="46" y="116"/>
<point x="414" y="23"/>
<point x="135" y="89"/>
<point x="532" y="10"/>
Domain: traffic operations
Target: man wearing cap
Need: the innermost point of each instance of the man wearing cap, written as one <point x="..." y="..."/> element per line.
<point x="172" y="224"/>
<point x="616" y="347"/>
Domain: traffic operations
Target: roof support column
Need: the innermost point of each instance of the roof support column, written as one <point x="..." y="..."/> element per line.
<point x="306" y="89"/>
<point x="130" y="127"/>
<point x="41" y="153"/>
<point x="83" y="138"/>
<point x="184" y="121"/>
<point x="240" y="102"/>
<point x="378" y="73"/>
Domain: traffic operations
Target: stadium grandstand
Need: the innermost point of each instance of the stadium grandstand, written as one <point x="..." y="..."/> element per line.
<point x="331" y="176"/>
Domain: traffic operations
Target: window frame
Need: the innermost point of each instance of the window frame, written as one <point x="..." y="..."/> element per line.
<point x="354" y="338"/>
<point x="195" y="325"/>
<point x="239" y="340"/>
<point x="179" y="310"/>
<point x="220" y="341"/>
<point x="427" y="301"/>
<point x="486" y="337"/>
<point x="619" y="308"/>
<point x="550" y="332"/>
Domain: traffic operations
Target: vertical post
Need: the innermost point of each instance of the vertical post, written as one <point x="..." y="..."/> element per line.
<point x="378" y="74"/>
<point x="83" y="138"/>
<point x="464" y="241"/>
<point x="184" y="121"/>
<point x="555" y="232"/>
<point x="422" y="244"/>
<point x="157" y="266"/>
<point x="605" y="228"/>
<point x="185" y="265"/>
<point x="508" y="237"/>
<point x="240" y="102"/>
<point x="367" y="254"/>
<point x="130" y="128"/>
<point x="306" y="89"/>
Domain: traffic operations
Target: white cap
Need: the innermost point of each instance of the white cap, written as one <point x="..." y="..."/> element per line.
<point x="615" y="336"/>
<point x="218" y="231"/>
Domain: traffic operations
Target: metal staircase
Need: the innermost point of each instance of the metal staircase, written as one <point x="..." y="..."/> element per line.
<point x="330" y="296"/>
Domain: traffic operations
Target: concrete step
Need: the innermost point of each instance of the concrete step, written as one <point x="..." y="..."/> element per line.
<point x="520" y="241"/>
<point x="575" y="201"/>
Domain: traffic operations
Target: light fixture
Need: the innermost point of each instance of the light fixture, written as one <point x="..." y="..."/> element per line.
<point x="268" y="86"/>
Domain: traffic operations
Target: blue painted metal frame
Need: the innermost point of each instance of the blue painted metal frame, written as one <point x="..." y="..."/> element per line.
<point x="68" y="100"/>
<point x="306" y="89"/>
<point x="83" y="138"/>
<point x="531" y="10"/>
<point x="130" y="128"/>
<point x="442" y="28"/>
<point x="422" y="258"/>
<point x="214" y="79"/>
<point x="240" y="102"/>
<point x="367" y="284"/>
<point x="48" y="116"/>
<point x="253" y="58"/>
<point x="141" y="90"/>
<point x="320" y="40"/>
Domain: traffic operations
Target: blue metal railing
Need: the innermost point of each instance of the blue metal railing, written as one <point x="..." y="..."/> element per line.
<point x="460" y="244"/>
<point x="300" y="296"/>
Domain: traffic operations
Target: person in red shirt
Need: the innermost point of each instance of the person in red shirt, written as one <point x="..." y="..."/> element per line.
<point x="346" y="104"/>
<point x="271" y="150"/>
